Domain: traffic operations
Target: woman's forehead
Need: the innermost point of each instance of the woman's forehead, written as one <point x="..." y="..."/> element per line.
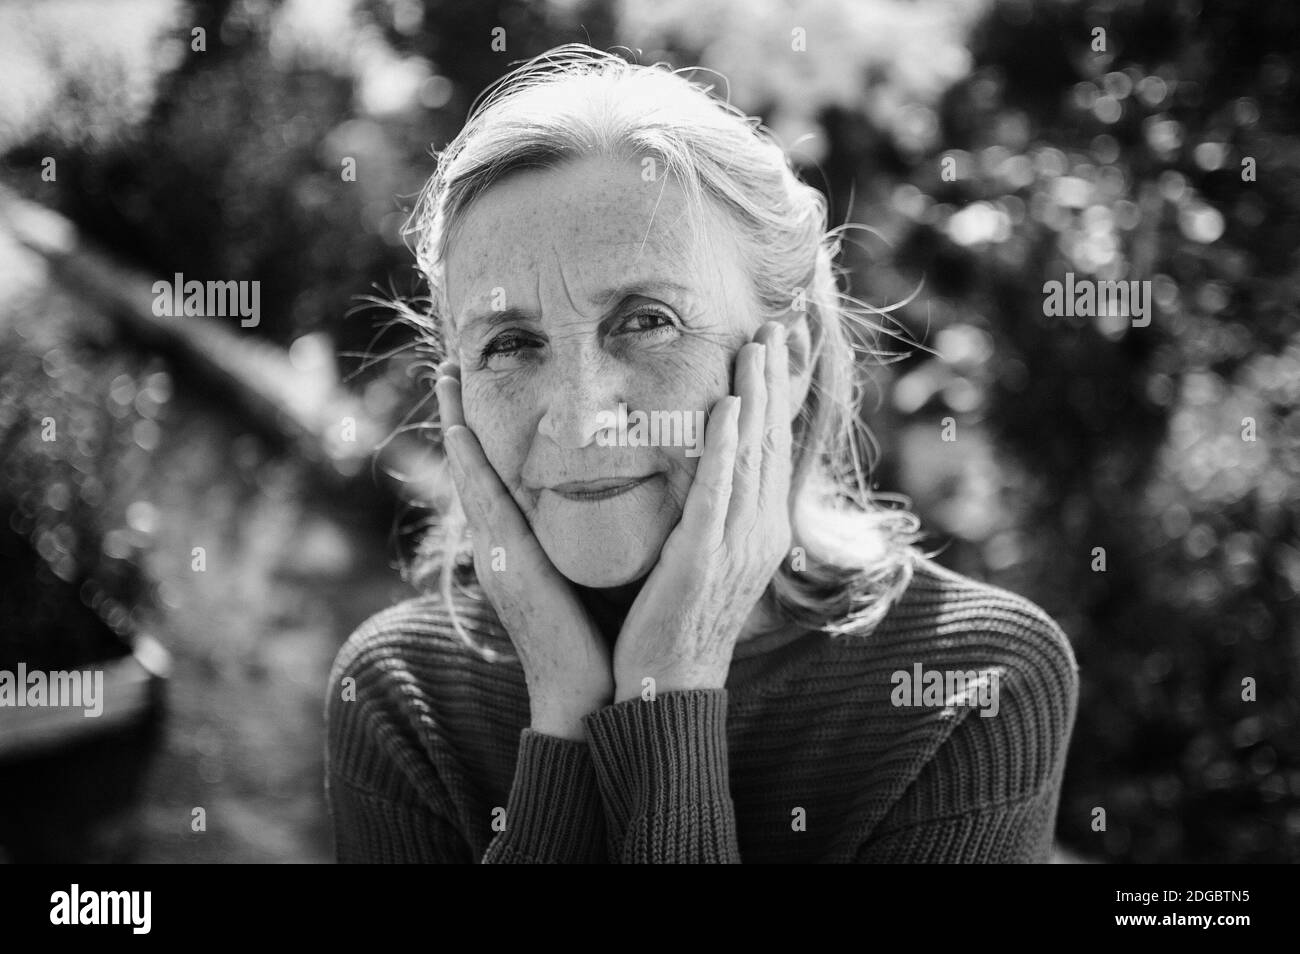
<point x="585" y="225"/>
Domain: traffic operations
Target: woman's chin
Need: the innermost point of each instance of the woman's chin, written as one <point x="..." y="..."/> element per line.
<point x="602" y="576"/>
<point x="601" y="571"/>
<point x="602" y="546"/>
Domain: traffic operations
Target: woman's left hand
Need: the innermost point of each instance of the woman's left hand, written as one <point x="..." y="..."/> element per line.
<point x="733" y="534"/>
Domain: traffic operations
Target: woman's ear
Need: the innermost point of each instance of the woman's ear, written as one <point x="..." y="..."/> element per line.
<point x="799" y="344"/>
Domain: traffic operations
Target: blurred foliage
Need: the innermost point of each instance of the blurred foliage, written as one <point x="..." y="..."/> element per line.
<point x="1073" y="434"/>
<point x="77" y="427"/>
<point x="1128" y="164"/>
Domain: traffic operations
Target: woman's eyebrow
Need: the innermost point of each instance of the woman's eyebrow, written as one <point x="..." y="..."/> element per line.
<point x="638" y="287"/>
<point x="491" y="317"/>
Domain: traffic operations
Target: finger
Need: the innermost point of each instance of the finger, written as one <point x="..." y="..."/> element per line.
<point x="447" y="387"/>
<point x="774" y="489"/>
<point x="705" y="510"/>
<point x="752" y="388"/>
<point x="493" y="515"/>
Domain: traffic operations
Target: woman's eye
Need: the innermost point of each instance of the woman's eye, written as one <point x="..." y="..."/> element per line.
<point x="504" y="344"/>
<point x="648" y="321"/>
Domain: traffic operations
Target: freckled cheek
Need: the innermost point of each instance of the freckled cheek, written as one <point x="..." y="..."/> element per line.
<point x="501" y="423"/>
<point x="691" y="379"/>
<point x="691" y="382"/>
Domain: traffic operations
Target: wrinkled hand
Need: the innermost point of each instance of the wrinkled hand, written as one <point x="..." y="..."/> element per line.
<point x="565" y="660"/>
<point x="733" y="534"/>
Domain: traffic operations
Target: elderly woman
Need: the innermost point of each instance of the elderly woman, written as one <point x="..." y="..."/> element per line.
<point x="699" y="638"/>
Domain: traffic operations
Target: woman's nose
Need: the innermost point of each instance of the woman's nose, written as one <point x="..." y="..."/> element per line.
<point x="579" y="395"/>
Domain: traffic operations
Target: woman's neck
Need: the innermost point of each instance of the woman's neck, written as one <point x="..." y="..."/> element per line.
<point x="609" y="607"/>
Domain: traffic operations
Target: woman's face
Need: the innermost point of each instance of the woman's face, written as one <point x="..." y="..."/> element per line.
<point x="575" y="290"/>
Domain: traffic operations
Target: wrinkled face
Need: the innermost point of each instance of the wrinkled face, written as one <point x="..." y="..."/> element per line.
<point x="579" y="300"/>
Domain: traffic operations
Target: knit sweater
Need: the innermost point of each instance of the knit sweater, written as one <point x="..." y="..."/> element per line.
<point x="818" y="749"/>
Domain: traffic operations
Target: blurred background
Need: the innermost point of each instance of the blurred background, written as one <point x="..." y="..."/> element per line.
<point x="202" y="524"/>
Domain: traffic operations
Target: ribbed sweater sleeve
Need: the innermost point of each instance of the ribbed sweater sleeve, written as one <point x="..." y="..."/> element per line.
<point x="662" y="769"/>
<point x="554" y="813"/>
<point x="553" y="816"/>
<point x="395" y="791"/>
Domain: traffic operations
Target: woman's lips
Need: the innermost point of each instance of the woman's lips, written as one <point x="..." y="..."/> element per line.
<point x="589" y="490"/>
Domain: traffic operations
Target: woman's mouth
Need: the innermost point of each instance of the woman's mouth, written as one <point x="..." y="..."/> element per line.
<point x="589" y="490"/>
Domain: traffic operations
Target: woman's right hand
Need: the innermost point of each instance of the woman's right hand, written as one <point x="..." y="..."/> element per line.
<point x="566" y="662"/>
